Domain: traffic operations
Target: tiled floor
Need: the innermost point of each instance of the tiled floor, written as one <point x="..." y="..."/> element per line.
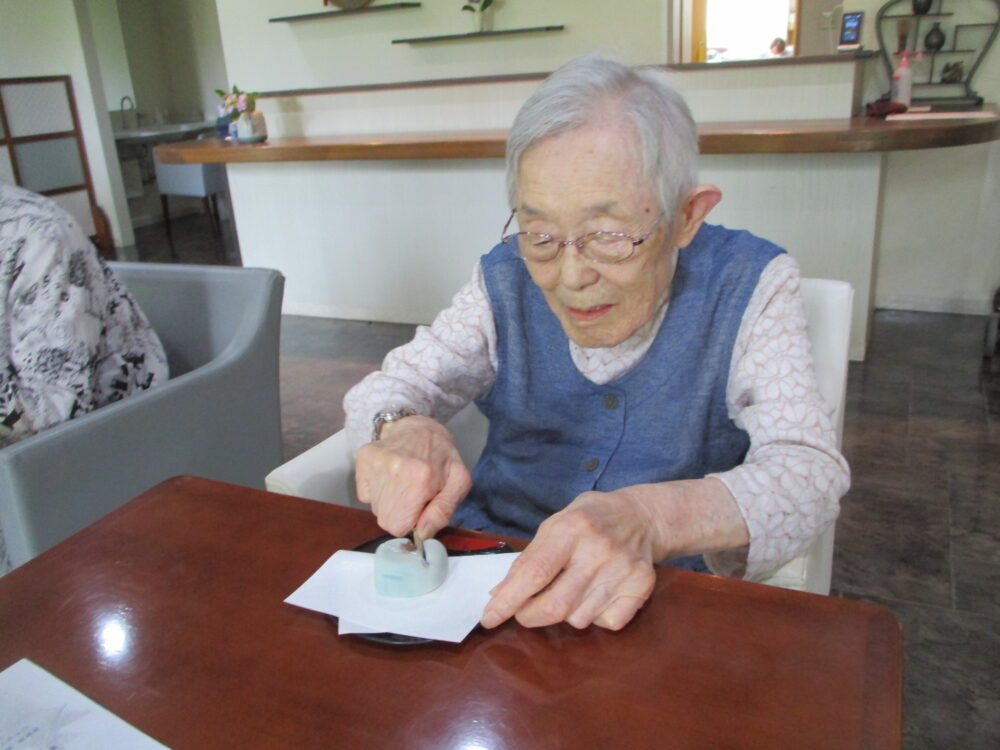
<point x="919" y="531"/>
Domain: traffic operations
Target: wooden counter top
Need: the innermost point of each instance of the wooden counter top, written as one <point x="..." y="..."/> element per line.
<point x="843" y="135"/>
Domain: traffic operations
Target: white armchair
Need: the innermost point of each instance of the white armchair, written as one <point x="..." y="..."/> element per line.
<point x="326" y="472"/>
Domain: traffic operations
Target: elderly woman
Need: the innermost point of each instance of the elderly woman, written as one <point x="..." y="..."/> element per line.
<point x="647" y="376"/>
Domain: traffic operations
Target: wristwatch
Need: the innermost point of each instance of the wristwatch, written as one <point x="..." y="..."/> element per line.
<point x="389" y="415"/>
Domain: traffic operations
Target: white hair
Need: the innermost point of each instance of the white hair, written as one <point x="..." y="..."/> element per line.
<point x="592" y="85"/>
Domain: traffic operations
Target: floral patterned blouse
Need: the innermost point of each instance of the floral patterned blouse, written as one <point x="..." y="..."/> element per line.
<point x="72" y="339"/>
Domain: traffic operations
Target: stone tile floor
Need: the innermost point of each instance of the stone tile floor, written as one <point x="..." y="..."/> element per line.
<point x="919" y="531"/>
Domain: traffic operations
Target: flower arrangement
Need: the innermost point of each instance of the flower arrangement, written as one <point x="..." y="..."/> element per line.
<point x="236" y="102"/>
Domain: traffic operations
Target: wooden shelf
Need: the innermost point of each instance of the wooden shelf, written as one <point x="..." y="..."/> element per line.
<point x="939" y="52"/>
<point x="478" y="35"/>
<point x="920" y="15"/>
<point x="843" y="135"/>
<point x="339" y="13"/>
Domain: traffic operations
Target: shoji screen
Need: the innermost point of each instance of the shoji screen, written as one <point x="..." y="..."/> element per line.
<point x="41" y="147"/>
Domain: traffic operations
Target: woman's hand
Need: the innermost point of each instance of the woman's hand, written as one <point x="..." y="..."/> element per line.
<point x="591" y="563"/>
<point x="413" y="477"/>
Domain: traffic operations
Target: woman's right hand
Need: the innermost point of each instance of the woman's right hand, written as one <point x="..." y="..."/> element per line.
<point x="413" y="477"/>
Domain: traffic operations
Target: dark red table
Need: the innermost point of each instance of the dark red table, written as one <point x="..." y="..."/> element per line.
<point x="169" y="613"/>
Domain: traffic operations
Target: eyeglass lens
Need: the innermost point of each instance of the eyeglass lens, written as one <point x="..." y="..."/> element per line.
<point x="600" y="246"/>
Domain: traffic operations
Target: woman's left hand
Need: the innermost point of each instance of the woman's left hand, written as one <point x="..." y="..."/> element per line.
<point x="591" y="563"/>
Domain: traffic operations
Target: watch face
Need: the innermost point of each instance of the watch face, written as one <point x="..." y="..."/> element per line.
<point x="389" y="416"/>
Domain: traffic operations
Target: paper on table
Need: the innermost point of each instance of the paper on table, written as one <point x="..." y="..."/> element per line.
<point x="345" y="586"/>
<point x="39" y="710"/>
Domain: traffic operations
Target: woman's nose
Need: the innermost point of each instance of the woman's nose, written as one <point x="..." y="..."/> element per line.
<point x="575" y="271"/>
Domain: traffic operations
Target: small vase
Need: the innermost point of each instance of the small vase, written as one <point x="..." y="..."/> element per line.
<point x="251" y="128"/>
<point x="934" y="39"/>
<point x="922" y="7"/>
<point x="222" y="126"/>
<point x="479" y="22"/>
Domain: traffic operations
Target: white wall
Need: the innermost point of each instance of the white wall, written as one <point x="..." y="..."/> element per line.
<point x="194" y="59"/>
<point x="933" y="230"/>
<point x="53" y="38"/>
<point x="357" y="49"/>
<point x="142" y="31"/>
<point x="110" y="47"/>
<point x="174" y="56"/>
<point x="939" y="248"/>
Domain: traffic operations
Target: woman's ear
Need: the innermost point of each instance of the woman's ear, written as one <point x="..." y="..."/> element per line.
<point x="698" y="203"/>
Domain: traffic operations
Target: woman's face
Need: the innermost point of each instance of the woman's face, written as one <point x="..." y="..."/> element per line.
<point x="590" y="180"/>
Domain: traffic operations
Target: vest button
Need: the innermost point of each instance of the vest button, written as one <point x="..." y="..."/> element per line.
<point x="610" y="401"/>
<point x="592" y="463"/>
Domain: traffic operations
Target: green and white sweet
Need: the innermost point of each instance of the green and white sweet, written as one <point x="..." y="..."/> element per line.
<point x="400" y="571"/>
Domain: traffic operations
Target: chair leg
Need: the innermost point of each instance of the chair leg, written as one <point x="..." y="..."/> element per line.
<point x="212" y="218"/>
<point x="166" y="225"/>
<point x="992" y="338"/>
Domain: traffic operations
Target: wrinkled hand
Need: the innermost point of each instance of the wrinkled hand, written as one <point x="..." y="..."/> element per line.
<point x="413" y="477"/>
<point x="591" y="563"/>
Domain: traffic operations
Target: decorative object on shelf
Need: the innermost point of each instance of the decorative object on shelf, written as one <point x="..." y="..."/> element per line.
<point x="222" y="123"/>
<point x="479" y="8"/>
<point x="963" y="31"/>
<point x="934" y="39"/>
<point x="347" y="10"/>
<point x="236" y="102"/>
<point x="347" y="4"/>
<point x="251" y="127"/>
<point x="477" y="35"/>
<point x="245" y="123"/>
<point x="922" y="7"/>
<point x="902" y="34"/>
<point x="953" y="72"/>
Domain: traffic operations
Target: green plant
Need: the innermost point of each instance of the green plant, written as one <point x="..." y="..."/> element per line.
<point x="477" y="6"/>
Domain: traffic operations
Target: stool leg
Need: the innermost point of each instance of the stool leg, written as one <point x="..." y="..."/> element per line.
<point x="212" y="206"/>
<point x="166" y="225"/>
<point x="212" y="220"/>
<point x="992" y="335"/>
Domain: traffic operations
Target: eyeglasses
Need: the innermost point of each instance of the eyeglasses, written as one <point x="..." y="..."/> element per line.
<point x="598" y="247"/>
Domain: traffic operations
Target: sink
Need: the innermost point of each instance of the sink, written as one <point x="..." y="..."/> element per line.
<point x="164" y="132"/>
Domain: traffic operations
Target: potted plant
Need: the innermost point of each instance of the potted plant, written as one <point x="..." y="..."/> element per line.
<point x="479" y="7"/>
<point x="244" y="121"/>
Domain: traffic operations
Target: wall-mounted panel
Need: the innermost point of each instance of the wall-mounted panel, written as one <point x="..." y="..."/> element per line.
<point x="6" y="168"/>
<point x="36" y="108"/>
<point x="50" y="164"/>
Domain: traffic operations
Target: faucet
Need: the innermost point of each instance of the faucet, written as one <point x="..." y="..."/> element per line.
<point x="121" y="109"/>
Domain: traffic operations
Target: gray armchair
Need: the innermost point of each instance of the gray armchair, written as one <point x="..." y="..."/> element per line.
<point x="218" y="416"/>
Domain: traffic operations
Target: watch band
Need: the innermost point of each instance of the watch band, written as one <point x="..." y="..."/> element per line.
<point x="389" y="415"/>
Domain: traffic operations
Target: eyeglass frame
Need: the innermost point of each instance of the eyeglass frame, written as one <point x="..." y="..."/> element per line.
<point x="579" y="243"/>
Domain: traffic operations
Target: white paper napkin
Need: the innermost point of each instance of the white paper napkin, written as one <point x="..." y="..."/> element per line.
<point x="345" y="586"/>
<point x="38" y="710"/>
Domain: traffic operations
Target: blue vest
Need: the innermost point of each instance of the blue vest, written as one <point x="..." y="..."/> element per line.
<point x="554" y="434"/>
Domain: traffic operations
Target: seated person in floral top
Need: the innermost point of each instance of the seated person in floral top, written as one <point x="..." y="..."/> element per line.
<point x="647" y="375"/>
<point x="72" y="339"/>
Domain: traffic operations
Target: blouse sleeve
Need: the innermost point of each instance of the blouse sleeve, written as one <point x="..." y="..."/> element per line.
<point x="444" y="367"/>
<point x="789" y="486"/>
<point x="73" y="339"/>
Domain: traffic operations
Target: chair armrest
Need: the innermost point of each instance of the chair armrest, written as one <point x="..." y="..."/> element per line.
<point x="325" y="472"/>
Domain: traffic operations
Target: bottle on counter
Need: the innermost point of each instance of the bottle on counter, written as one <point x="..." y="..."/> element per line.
<point x="901" y="90"/>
